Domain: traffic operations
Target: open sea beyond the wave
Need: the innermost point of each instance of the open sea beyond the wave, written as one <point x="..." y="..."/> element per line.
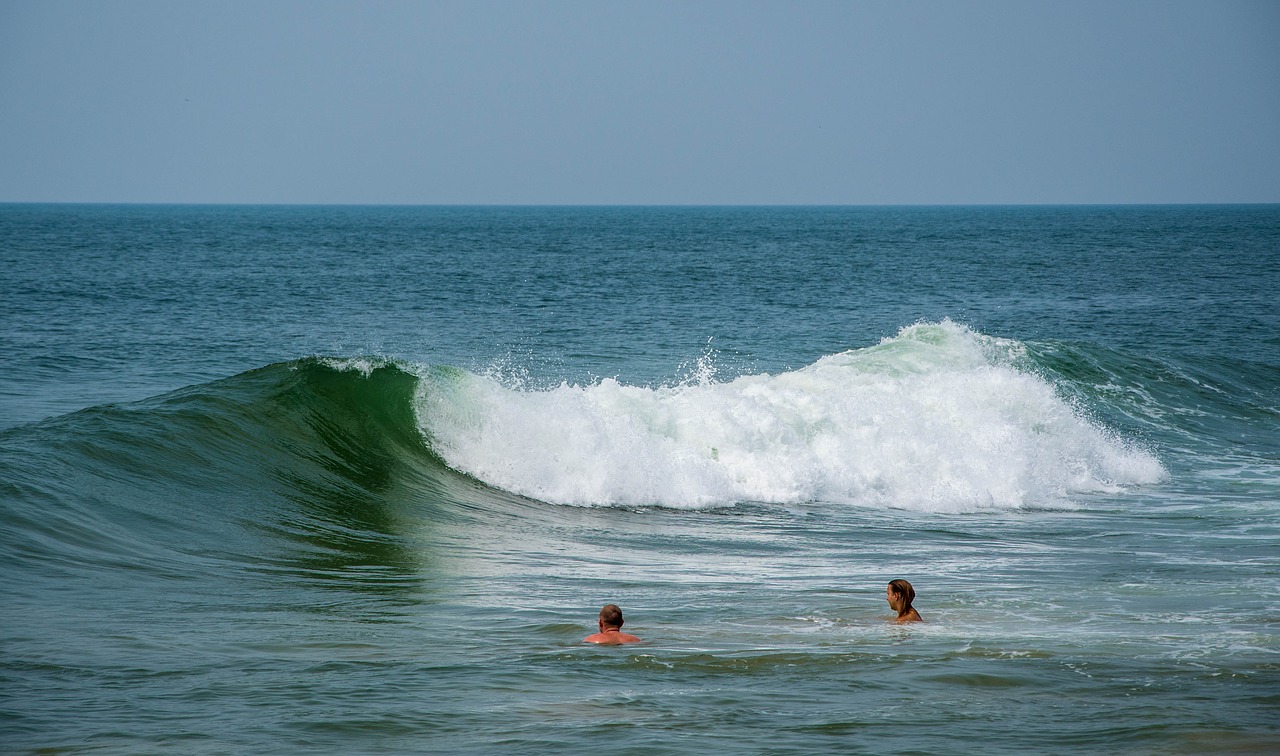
<point x="358" y="479"/>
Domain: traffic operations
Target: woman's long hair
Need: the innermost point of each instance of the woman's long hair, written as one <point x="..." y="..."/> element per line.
<point x="908" y="594"/>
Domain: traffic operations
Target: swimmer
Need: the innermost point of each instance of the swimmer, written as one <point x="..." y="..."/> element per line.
<point x="900" y="595"/>
<point x="610" y="628"/>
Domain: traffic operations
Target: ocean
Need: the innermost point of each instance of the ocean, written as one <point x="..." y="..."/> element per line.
<point x="359" y="479"/>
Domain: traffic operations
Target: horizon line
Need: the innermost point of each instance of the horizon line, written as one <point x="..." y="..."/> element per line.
<point x="135" y="203"/>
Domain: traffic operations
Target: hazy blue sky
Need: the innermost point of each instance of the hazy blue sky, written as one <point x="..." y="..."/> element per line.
<point x="640" y="102"/>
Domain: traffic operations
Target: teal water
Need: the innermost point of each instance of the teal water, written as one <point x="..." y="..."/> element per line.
<point x="282" y="479"/>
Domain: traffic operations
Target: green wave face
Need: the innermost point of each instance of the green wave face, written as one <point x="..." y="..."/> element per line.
<point x="321" y="458"/>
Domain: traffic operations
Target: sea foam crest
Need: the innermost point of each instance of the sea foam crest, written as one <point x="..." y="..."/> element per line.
<point x="936" y="418"/>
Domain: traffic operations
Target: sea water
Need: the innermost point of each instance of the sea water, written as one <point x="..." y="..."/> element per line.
<point x="357" y="480"/>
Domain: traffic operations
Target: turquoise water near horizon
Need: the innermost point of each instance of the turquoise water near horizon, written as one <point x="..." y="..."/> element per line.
<point x="357" y="479"/>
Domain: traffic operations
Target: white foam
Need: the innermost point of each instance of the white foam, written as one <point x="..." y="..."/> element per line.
<point x="936" y="418"/>
<point x="362" y="365"/>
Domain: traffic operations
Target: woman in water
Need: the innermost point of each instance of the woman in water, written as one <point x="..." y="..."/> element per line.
<point x="900" y="595"/>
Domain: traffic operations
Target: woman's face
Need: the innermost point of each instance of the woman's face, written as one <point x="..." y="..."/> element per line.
<point x="894" y="598"/>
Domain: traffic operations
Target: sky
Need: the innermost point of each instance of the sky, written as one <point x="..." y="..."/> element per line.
<point x="672" y="103"/>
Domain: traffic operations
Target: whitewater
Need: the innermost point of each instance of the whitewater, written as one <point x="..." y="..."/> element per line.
<point x="937" y="419"/>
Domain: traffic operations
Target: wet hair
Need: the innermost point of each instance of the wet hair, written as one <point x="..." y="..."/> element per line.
<point x="611" y="615"/>
<point x="903" y="589"/>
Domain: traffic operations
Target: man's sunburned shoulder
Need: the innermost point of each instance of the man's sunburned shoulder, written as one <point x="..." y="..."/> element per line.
<point x="611" y="638"/>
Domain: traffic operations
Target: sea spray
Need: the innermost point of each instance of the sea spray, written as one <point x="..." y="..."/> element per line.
<point x="937" y="418"/>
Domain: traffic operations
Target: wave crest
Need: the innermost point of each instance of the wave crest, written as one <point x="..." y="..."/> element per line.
<point x="937" y="418"/>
